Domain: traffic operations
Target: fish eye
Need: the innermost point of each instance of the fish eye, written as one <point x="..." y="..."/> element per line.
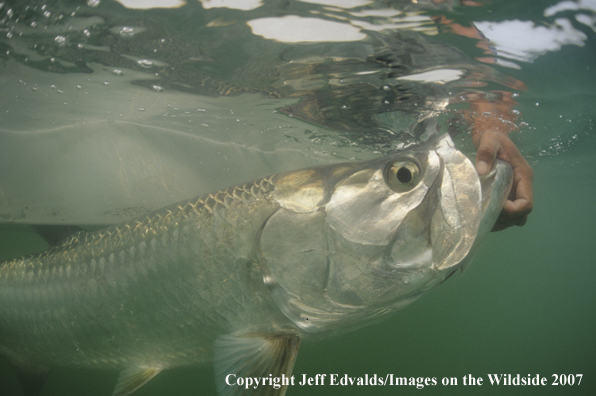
<point x="403" y="175"/>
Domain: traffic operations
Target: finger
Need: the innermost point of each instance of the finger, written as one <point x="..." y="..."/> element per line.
<point x="486" y="153"/>
<point x="521" y="201"/>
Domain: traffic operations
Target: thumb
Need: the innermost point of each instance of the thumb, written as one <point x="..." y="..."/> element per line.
<point x="487" y="152"/>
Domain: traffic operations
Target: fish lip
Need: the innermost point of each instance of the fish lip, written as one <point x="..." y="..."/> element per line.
<point x="496" y="186"/>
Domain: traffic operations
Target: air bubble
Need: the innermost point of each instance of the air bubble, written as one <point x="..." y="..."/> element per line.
<point x="145" y="63"/>
<point x="60" y="40"/>
<point x="157" y="88"/>
<point x="117" y="72"/>
<point x="127" y="31"/>
<point x="93" y="3"/>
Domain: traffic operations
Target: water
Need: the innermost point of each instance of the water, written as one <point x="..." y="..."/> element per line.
<point x="100" y="111"/>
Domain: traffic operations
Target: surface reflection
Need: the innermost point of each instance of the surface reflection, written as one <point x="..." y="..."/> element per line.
<point x="314" y="82"/>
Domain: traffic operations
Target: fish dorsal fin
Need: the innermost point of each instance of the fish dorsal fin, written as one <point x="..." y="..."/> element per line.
<point x="133" y="378"/>
<point x="254" y="355"/>
<point x="31" y="379"/>
<point x="54" y="235"/>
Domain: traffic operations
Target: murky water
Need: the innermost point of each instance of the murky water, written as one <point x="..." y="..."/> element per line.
<point x="108" y="111"/>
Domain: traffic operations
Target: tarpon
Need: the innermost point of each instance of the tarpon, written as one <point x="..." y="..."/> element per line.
<point x="239" y="277"/>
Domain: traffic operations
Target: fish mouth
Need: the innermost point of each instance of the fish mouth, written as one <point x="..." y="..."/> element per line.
<point x="495" y="186"/>
<point x="468" y="206"/>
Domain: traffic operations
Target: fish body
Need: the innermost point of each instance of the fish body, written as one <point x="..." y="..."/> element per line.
<point x="240" y="276"/>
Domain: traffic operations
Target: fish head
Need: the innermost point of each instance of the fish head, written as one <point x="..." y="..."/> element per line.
<point x="352" y="242"/>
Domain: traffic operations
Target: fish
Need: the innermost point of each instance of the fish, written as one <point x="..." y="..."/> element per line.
<point x="239" y="277"/>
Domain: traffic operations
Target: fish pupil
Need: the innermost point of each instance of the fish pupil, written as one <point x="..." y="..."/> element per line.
<point x="404" y="175"/>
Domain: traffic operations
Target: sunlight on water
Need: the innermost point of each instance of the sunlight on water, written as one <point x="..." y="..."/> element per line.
<point x="110" y="109"/>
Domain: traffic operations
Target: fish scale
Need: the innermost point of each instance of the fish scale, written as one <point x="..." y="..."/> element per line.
<point x="129" y="257"/>
<point x="238" y="277"/>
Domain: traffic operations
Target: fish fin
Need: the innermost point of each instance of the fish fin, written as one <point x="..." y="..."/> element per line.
<point x="254" y="355"/>
<point x="133" y="378"/>
<point x="55" y="234"/>
<point x="32" y="379"/>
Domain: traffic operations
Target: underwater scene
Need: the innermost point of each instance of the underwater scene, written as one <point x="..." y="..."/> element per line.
<point x="113" y="109"/>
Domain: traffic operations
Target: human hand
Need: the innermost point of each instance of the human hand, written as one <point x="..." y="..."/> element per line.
<point x="492" y="144"/>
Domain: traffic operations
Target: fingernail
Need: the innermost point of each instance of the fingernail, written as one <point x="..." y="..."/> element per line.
<point x="482" y="167"/>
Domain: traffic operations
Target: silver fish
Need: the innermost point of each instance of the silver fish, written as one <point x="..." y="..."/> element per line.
<point x="240" y="276"/>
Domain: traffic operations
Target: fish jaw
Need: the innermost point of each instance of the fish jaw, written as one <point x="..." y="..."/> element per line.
<point x="496" y="186"/>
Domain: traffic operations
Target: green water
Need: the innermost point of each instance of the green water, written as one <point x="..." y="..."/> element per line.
<point x="526" y="306"/>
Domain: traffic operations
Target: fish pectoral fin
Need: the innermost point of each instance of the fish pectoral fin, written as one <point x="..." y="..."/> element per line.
<point x="254" y="355"/>
<point x="133" y="378"/>
<point x="31" y="378"/>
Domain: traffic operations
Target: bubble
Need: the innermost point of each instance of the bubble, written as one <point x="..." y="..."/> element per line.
<point x="60" y="40"/>
<point x="146" y="63"/>
<point x="127" y="31"/>
<point x="515" y="95"/>
<point x="157" y="88"/>
<point x="79" y="86"/>
<point x="33" y="24"/>
<point x="141" y="109"/>
<point x="87" y="33"/>
<point x="117" y="72"/>
<point x="537" y="104"/>
<point x="93" y="3"/>
<point x="386" y="88"/>
<point x="47" y="14"/>
<point x="106" y="83"/>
